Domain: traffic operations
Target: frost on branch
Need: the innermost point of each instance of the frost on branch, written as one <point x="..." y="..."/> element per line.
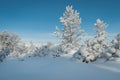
<point x="71" y="33"/>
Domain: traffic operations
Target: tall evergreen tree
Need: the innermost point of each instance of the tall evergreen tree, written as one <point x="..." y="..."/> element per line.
<point x="71" y="33"/>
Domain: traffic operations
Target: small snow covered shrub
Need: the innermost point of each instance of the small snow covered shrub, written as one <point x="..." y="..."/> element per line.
<point x="19" y="51"/>
<point x="47" y="50"/>
<point x="31" y="49"/>
<point x="44" y="50"/>
<point x="85" y="54"/>
<point x="58" y="51"/>
<point x="113" y="50"/>
<point x="3" y="54"/>
<point x="41" y="51"/>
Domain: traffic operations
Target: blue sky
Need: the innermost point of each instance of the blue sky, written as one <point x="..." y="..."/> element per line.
<point x="37" y="18"/>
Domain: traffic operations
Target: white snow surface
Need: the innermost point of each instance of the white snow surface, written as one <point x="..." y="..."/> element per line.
<point x="47" y="68"/>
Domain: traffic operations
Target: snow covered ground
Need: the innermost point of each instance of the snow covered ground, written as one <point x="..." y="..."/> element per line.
<point x="47" y="68"/>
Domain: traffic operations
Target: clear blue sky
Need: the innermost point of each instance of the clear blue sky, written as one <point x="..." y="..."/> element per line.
<point x="36" y="18"/>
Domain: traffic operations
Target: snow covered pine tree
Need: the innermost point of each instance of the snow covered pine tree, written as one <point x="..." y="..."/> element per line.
<point x="71" y="33"/>
<point x="101" y="39"/>
<point x="113" y="51"/>
<point x="95" y="48"/>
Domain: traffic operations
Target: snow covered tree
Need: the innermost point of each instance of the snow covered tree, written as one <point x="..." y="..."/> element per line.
<point x="113" y="51"/>
<point x="100" y="38"/>
<point x="96" y="47"/>
<point x="44" y="50"/>
<point x="57" y="51"/>
<point x="71" y="33"/>
<point x="31" y="48"/>
<point x="19" y="51"/>
<point x="4" y="40"/>
<point x="9" y="44"/>
<point x="117" y="46"/>
<point x="5" y="44"/>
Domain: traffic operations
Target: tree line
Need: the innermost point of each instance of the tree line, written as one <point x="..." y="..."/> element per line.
<point x="71" y="42"/>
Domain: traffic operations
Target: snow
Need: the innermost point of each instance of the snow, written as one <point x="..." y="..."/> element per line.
<point x="47" y="68"/>
<point x="70" y="55"/>
<point x="111" y="66"/>
<point x="62" y="61"/>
